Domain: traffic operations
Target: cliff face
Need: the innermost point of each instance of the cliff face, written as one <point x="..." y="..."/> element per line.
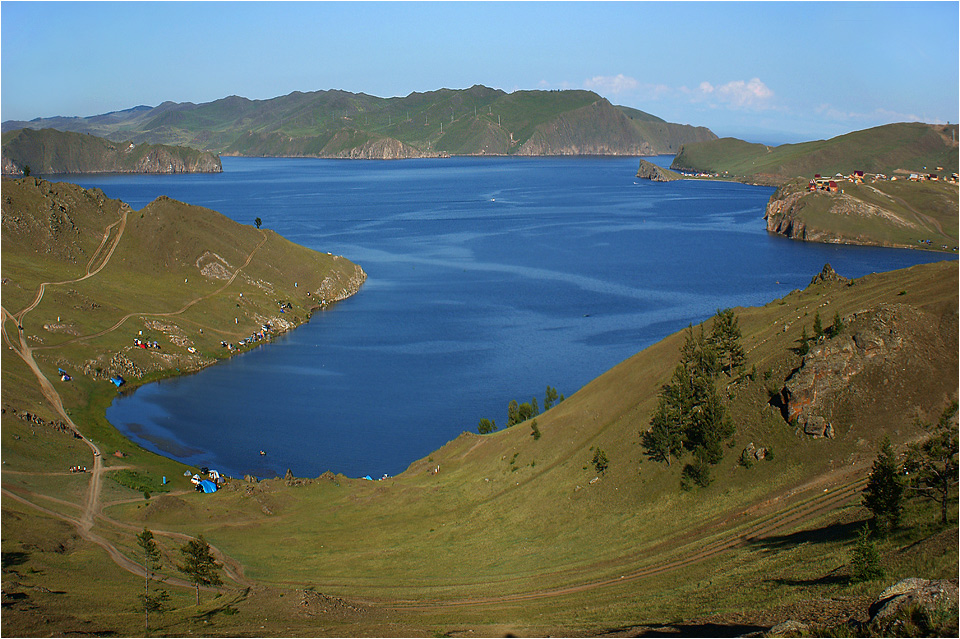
<point x="879" y="363"/>
<point x="48" y="151"/>
<point x="782" y="213"/>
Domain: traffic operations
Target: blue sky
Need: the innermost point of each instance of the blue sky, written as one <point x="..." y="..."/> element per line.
<point x="763" y="71"/>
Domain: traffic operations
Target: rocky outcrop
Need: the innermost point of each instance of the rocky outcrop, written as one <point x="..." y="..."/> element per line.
<point x="876" y="365"/>
<point x="909" y="597"/>
<point x="382" y="149"/>
<point x="339" y="285"/>
<point x="827" y="274"/>
<point x="650" y="171"/>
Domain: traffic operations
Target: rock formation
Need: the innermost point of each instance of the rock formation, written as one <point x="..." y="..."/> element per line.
<point x="650" y="171"/>
<point x="880" y="358"/>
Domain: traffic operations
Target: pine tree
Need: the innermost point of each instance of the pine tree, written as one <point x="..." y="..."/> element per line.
<point x="199" y="564"/>
<point x="932" y="465"/>
<point x="550" y="398"/>
<point x="837" y="327"/>
<point x="155" y="602"/>
<point x="883" y="494"/>
<point x="534" y="430"/>
<point x="486" y="426"/>
<point x="865" y="565"/>
<point x="600" y="461"/>
<point x="725" y="338"/>
<point x="804" y="347"/>
<point x="817" y="326"/>
<point x="513" y="416"/>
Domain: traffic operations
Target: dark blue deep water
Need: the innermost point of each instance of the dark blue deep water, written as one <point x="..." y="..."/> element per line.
<point x="489" y="278"/>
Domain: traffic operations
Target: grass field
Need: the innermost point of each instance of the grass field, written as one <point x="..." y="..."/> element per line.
<point x="512" y="535"/>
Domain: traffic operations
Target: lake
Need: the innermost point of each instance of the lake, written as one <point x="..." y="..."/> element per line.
<point x="489" y="279"/>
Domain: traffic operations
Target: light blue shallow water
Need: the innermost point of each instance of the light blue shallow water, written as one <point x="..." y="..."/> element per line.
<point x="489" y="278"/>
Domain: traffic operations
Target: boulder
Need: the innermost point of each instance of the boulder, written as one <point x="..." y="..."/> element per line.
<point x="911" y="594"/>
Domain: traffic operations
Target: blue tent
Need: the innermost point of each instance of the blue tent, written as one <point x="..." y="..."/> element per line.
<point x="208" y="486"/>
<point x="118" y="381"/>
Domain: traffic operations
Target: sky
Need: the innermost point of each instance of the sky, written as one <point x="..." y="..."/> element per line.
<point x="771" y="72"/>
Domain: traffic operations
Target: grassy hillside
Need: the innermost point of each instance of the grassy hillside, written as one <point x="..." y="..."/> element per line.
<point x="48" y="151"/>
<point x="889" y="149"/>
<point x="494" y="534"/>
<point x="880" y="213"/>
<point x="478" y="120"/>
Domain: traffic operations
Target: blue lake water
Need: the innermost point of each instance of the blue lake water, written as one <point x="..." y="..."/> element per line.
<point x="489" y="278"/>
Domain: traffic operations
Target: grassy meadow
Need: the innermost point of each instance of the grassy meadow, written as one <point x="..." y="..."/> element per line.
<point x="489" y="535"/>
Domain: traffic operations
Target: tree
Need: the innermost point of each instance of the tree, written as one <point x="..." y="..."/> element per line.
<point x="725" y="338"/>
<point x="258" y="222"/>
<point x="151" y="561"/>
<point x="486" y="426"/>
<point x="550" y="398"/>
<point x="199" y="564"/>
<point x="534" y="430"/>
<point x="690" y="415"/>
<point x="26" y="170"/>
<point x="837" y="327"/>
<point x="513" y="413"/>
<point x="698" y="354"/>
<point x="804" y="347"/>
<point x="600" y="461"/>
<point x="865" y="564"/>
<point x="931" y="466"/>
<point x="817" y="326"/>
<point x="883" y="494"/>
<point x="665" y="437"/>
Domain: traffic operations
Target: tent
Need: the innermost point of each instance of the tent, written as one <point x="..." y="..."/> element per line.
<point x="208" y="486"/>
<point x="118" y="381"/>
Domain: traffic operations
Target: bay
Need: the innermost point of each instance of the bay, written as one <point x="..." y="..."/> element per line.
<point x="489" y="279"/>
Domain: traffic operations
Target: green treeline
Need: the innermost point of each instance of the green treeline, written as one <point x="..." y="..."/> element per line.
<point x="518" y="413"/>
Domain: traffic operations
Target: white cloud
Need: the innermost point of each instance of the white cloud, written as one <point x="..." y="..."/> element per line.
<point x="753" y="94"/>
<point x="611" y="84"/>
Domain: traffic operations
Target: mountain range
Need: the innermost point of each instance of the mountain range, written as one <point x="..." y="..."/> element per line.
<point x="475" y="121"/>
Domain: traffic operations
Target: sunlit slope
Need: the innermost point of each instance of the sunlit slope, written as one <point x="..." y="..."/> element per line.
<point x="888" y="149"/>
<point x="507" y="515"/>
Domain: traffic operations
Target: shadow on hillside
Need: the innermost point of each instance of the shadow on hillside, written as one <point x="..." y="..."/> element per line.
<point x="826" y="580"/>
<point x="833" y="532"/>
<point x="690" y="630"/>
<point x="10" y="559"/>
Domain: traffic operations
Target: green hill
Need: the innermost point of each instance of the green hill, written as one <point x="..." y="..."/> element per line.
<point x="473" y="121"/>
<point x="490" y="535"/>
<point x="890" y="149"/>
<point x="48" y="151"/>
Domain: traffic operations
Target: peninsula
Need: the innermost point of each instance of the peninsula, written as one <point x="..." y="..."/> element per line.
<point x="48" y="151"/>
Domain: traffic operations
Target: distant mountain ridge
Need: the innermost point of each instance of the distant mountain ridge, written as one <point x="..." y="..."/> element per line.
<point x="49" y="151"/>
<point x="334" y="123"/>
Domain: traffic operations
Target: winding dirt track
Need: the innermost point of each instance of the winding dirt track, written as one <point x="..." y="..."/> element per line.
<point x="779" y="513"/>
<point x="91" y="502"/>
